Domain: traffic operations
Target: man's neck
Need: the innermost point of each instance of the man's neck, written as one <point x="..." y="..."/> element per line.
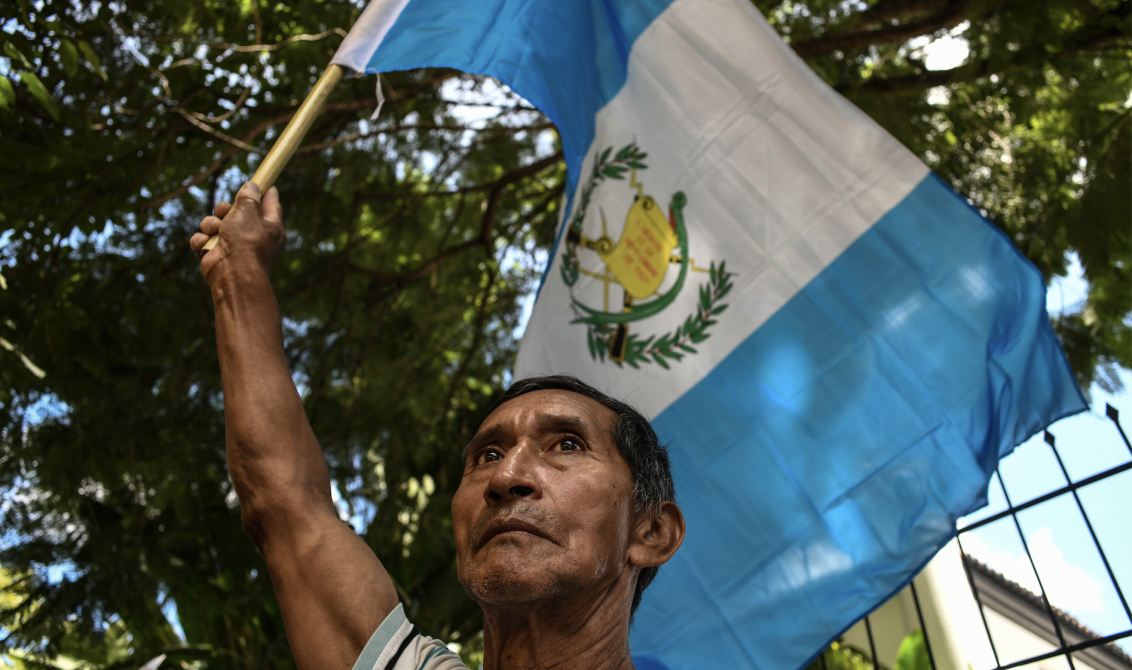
<point x="586" y="633"/>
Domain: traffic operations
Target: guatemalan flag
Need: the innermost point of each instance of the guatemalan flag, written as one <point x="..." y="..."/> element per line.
<point x="836" y="345"/>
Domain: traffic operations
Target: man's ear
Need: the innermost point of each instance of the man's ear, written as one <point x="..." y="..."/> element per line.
<point x="657" y="537"/>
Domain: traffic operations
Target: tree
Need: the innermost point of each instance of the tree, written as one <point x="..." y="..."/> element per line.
<point x="412" y="241"/>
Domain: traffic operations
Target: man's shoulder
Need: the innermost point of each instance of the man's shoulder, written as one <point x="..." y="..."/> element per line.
<point x="398" y="645"/>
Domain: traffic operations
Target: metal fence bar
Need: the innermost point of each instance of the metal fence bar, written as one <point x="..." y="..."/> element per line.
<point x="872" y="645"/>
<point x="978" y="600"/>
<point x="923" y="626"/>
<point x="1068" y="651"/>
<point x="1114" y="415"/>
<point x="1116" y="585"/>
<point x="1034" y="566"/>
<point x="1049" y="496"/>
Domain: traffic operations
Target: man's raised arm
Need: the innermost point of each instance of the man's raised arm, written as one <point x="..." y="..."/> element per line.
<point x="332" y="589"/>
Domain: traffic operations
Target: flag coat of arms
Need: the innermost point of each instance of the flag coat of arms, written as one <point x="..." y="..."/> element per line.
<point x="836" y="346"/>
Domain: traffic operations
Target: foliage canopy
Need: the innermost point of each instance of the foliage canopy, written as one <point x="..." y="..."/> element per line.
<point x="413" y="240"/>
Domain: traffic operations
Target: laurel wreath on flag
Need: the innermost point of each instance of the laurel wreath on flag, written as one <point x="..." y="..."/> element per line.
<point x="673" y="345"/>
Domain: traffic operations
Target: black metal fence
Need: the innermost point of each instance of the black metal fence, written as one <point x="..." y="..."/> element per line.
<point x="1070" y="640"/>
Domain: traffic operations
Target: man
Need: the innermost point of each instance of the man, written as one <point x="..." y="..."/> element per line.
<point x="564" y="512"/>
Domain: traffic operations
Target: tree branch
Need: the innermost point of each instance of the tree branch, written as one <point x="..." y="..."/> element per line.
<point x="242" y="144"/>
<point x="226" y="115"/>
<point x="927" y="79"/>
<point x="951" y="17"/>
<point x="477" y="336"/>
<point x="418" y="126"/>
<point x="188" y="116"/>
<point x="1088" y="38"/>
<point x="238" y="144"/>
<point x="485" y="237"/>
<point x="888" y="10"/>
<point x="477" y="188"/>
<point x="275" y="47"/>
<point x="216" y="165"/>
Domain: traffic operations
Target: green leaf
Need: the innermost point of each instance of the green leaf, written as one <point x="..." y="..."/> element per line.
<point x="660" y="361"/>
<point x="719" y="309"/>
<point x="69" y="55"/>
<point x="569" y="274"/>
<point x="605" y="155"/>
<point x="7" y="93"/>
<point x="12" y="52"/>
<point x="40" y="93"/>
<point x="913" y="653"/>
<point x="92" y="58"/>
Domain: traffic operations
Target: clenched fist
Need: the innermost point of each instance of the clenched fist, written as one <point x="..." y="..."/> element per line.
<point x="251" y="235"/>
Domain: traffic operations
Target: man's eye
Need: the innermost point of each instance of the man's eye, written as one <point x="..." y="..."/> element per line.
<point x="490" y="456"/>
<point x="569" y="444"/>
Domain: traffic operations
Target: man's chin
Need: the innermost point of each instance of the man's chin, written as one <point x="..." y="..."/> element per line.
<point x="505" y="573"/>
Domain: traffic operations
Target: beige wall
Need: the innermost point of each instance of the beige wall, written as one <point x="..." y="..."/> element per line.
<point x="955" y="629"/>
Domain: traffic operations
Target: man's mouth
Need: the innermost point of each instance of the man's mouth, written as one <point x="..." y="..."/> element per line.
<point x="510" y="527"/>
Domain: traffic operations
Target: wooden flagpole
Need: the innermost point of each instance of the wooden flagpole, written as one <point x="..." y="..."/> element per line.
<point x="293" y="134"/>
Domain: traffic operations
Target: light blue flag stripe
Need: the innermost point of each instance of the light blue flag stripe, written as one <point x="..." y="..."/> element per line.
<point x="836" y="446"/>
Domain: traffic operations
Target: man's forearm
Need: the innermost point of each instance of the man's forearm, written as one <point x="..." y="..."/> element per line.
<point x="333" y="592"/>
<point x="274" y="459"/>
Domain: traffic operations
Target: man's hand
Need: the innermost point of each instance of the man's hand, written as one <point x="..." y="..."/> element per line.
<point x="251" y="235"/>
<point x="333" y="592"/>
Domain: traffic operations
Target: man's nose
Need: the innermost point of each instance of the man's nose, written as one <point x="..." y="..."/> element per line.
<point x="517" y="475"/>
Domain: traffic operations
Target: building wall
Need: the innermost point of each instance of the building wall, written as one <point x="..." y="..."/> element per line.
<point x="955" y="628"/>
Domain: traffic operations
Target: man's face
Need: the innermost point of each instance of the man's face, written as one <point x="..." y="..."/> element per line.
<point x="544" y="510"/>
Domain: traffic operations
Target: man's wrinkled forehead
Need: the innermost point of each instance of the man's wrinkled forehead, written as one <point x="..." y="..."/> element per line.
<point x="544" y="411"/>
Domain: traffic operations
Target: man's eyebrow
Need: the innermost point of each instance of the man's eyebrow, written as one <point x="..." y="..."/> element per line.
<point x="483" y="437"/>
<point x="549" y="423"/>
